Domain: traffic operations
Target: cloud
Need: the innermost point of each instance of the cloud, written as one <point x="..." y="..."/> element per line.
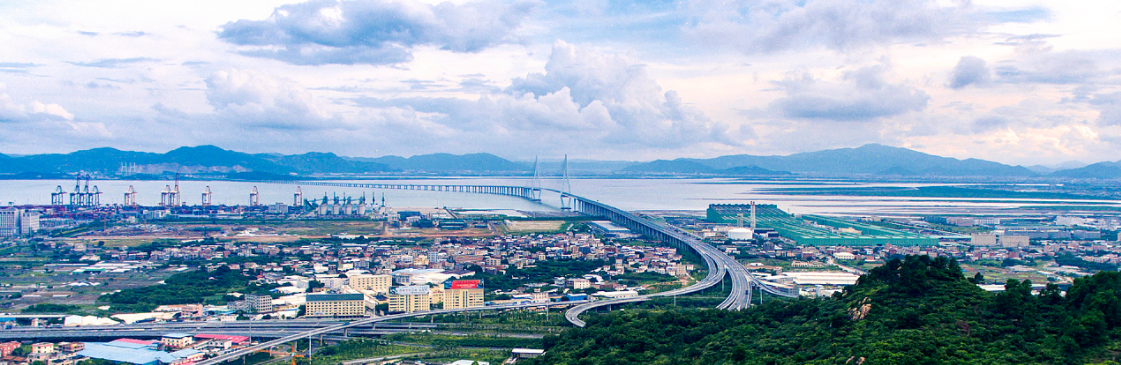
<point x="767" y="26"/>
<point x="1024" y="15"/>
<point x="862" y="96"/>
<point x="988" y="123"/>
<point x="970" y="71"/>
<point x="114" y="62"/>
<point x="257" y="100"/>
<point x="132" y="34"/>
<point x="375" y="31"/>
<point x="583" y="97"/>
<point x="16" y="67"/>
<point x="1109" y="108"/>
<point x="13" y="112"/>
<point x="1070" y="67"/>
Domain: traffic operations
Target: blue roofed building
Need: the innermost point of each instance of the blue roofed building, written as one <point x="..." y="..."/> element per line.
<point x="137" y="352"/>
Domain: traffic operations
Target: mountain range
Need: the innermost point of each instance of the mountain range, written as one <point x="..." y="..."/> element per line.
<point x="211" y="160"/>
<point x="867" y="160"/>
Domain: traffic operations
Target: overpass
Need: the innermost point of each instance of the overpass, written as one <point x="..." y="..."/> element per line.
<point x="719" y="264"/>
<point x="344" y="326"/>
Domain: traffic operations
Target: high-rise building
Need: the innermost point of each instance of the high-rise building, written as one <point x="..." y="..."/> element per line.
<point x="9" y="222"/>
<point x="28" y="223"/>
<point x="463" y="298"/>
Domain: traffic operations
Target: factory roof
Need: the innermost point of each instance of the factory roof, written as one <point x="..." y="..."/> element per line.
<point x="112" y="351"/>
<point x="231" y="338"/>
<point x="184" y="353"/>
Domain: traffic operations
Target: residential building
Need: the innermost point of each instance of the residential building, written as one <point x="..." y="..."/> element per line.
<point x="408" y="299"/>
<point x="378" y="284"/>
<point x="176" y="340"/>
<point x="335" y="305"/>
<point x="9" y="221"/>
<point x="259" y="303"/>
<point x="42" y="348"/>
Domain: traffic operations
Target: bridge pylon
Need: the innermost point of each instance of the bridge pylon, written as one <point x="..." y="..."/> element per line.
<point x="534" y="185"/>
<point x="567" y="199"/>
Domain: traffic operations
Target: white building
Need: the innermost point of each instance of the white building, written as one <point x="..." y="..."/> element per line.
<point x="18" y="222"/>
<point x="9" y="222"/>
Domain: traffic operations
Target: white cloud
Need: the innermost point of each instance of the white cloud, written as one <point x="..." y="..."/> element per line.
<point x="862" y="95"/>
<point x="375" y="31"/>
<point x="10" y="111"/>
<point x="582" y="98"/>
<point x="254" y="99"/>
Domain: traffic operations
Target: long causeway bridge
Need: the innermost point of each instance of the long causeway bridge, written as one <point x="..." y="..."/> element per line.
<point x="719" y="264"/>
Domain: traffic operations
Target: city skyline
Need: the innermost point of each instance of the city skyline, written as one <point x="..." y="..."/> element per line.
<point x="1013" y="82"/>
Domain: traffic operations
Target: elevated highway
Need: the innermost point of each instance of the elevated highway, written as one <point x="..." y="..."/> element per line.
<point x="232" y="355"/>
<point x="719" y="265"/>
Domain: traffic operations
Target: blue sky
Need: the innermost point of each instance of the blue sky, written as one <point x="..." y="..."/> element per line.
<point x="1012" y="81"/>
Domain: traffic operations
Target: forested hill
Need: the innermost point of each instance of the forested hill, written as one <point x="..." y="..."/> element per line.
<point x="916" y="311"/>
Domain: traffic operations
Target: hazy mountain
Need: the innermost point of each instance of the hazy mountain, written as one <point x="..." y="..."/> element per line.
<point x="580" y="167"/>
<point x="1101" y="170"/>
<point x="690" y="167"/>
<point x="217" y="161"/>
<point x="751" y="171"/>
<point x="318" y="162"/>
<point x="867" y="159"/>
<point x="445" y="162"/>
<point x="678" y="166"/>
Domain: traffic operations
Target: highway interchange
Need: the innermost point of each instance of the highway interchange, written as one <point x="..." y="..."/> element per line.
<point x="719" y="265"/>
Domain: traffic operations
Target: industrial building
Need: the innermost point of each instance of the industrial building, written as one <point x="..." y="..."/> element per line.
<point x="814" y="230"/>
<point x="129" y="352"/>
<point x="608" y="229"/>
<point x="335" y="305"/>
<point x="1004" y="240"/>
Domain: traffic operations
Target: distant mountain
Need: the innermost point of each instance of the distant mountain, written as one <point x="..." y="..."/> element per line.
<point x="678" y="166"/>
<point x="211" y="160"/>
<point x="580" y="166"/>
<point x="869" y="159"/>
<point x="690" y="167"/>
<point x="1101" y="170"/>
<point x="751" y="171"/>
<point x="445" y="162"/>
<point x="896" y="171"/>
<point x="318" y="162"/>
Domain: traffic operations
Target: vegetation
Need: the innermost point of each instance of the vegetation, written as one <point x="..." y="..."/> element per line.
<point x="183" y="288"/>
<point x="476" y="340"/>
<point x="1072" y="260"/>
<point x="356" y="349"/>
<point x="933" y="192"/>
<point x="51" y="308"/>
<point x="541" y="272"/>
<point x="916" y="311"/>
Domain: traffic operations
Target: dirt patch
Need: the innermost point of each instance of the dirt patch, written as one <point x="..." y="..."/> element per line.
<point x="534" y="226"/>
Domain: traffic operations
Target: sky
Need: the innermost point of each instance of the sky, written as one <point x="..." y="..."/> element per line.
<point x="1018" y="82"/>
